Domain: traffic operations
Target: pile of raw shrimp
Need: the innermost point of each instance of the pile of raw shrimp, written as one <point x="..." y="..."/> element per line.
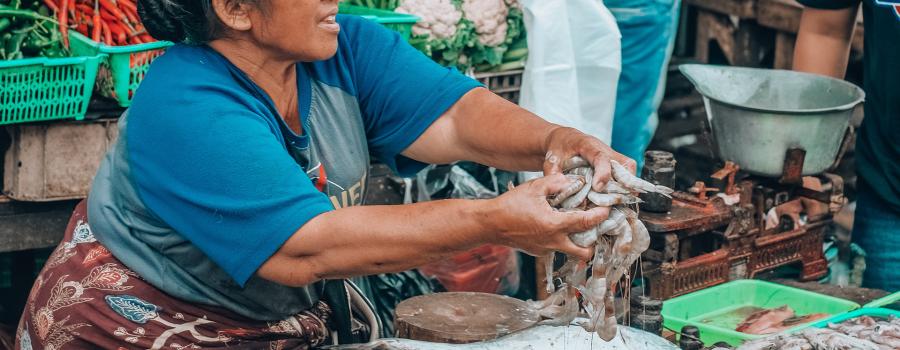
<point x="617" y="243"/>
<point x="861" y="333"/>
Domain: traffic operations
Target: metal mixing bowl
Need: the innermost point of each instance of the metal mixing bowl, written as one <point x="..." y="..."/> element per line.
<point x="756" y="115"/>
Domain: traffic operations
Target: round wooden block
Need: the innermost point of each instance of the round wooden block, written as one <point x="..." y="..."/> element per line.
<point x="460" y="318"/>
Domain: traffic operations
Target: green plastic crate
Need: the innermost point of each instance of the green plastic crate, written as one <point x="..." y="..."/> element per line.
<point x="400" y="22"/>
<point x="119" y="77"/>
<point x="40" y="89"/>
<point x="709" y="309"/>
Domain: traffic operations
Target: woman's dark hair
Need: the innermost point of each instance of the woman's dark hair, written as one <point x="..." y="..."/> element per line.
<point x="188" y="21"/>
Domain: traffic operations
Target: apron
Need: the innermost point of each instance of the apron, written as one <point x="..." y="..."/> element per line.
<point x="86" y="298"/>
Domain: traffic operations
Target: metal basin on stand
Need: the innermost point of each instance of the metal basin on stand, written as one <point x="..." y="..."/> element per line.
<point x="756" y="115"/>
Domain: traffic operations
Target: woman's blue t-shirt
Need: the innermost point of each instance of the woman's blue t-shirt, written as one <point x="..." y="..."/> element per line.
<point x="206" y="181"/>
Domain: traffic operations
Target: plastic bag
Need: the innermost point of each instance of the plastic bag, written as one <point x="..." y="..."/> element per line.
<point x="489" y="268"/>
<point x="461" y="180"/>
<point x="486" y="269"/>
<point x="574" y="60"/>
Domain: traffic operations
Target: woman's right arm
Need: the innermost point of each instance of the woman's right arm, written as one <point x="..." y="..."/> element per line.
<point x="823" y="41"/>
<point x="367" y="240"/>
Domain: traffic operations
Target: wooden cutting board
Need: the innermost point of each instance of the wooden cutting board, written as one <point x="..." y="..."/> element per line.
<point x="461" y="317"/>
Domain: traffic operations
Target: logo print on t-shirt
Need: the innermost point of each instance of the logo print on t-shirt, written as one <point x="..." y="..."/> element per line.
<point x="340" y="196"/>
<point x="894" y="4"/>
<point x="320" y="179"/>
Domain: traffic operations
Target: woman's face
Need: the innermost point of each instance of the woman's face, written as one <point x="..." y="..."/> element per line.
<point x="299" y="30"/>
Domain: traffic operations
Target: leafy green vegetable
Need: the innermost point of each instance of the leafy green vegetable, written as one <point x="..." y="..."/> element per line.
<point x="463" y="50"/>
<point x="26" y="30"/>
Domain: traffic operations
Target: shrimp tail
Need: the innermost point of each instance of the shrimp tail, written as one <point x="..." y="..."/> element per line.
<point x="663" y="190"/>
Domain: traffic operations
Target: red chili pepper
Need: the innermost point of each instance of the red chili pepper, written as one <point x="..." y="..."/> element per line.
<point x="108" y="17"/>
<point x="96" y="29"/>
<point x="95" y="35"/>
<point x="63" y="15"/>
<point x="71" y="8"/>
<point x="107" y="35"/>
<point x="139" y="58"/>
<point x="51" y="5"/>
<point x="116" y="12"/>
<point x="322" y="181"/>
<point x="130" y="10"/>
<point x="114" y="28"/>
<point x="131" y="17"/>
<point x="127" y="5"/>
<point x="85" y="9"/>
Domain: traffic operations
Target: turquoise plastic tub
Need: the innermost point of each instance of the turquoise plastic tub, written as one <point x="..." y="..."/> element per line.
<point x="717" y="311"/>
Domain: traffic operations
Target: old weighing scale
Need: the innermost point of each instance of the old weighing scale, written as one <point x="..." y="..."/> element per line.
<point x="771" y="128"/>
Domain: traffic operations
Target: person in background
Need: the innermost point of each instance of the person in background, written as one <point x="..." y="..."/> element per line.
<point x="823" y="45"/>
<point x="648" y="30"/>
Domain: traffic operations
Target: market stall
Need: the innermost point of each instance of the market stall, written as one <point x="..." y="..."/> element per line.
<point x="725" y="239"/>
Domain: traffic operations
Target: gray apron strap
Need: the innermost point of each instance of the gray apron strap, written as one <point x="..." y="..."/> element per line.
<point x="349" y="305"/>
<point x="364" y="307"/>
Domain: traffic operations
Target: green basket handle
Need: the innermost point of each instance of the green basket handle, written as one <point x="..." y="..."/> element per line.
<point x="49" y="62"/>
<point x="890" y="299"/>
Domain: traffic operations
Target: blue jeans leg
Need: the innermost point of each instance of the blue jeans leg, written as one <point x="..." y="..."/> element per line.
<point x="648" y="35"/>
<point x="877" y="230"/>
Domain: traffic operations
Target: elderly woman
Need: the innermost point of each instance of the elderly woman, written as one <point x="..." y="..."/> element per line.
<point x="227" y="214"/>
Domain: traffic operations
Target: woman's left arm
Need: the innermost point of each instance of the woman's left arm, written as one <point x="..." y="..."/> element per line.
<point x="487" y="129"/>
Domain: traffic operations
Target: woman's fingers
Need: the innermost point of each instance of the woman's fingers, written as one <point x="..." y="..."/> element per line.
<point x="574" y="222"/>
<point x="551" y="185"/>
<point x="552" y="164"/>
<point x="569" y="248"/>
<point x="580" y="221"/>
<point x="628" y="163"/>
<point x="599" y="155"/>
<point x="602" y="171"/>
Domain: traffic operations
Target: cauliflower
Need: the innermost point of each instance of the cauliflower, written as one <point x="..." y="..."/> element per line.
<point x="514" y="4"/>
<point x="438" y="18"/>
<point x="483" y="34"/>
<point x="489" y="18"/>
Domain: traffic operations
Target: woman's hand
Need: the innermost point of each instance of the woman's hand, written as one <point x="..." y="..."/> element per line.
<point x="563" y="143"/>
<point x="523" y="219"/>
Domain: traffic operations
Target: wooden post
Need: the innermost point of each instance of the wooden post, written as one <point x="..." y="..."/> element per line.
<point x="740" y="39"/>
<point x="703" y="37"/>
<point x="784" y="50"/>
